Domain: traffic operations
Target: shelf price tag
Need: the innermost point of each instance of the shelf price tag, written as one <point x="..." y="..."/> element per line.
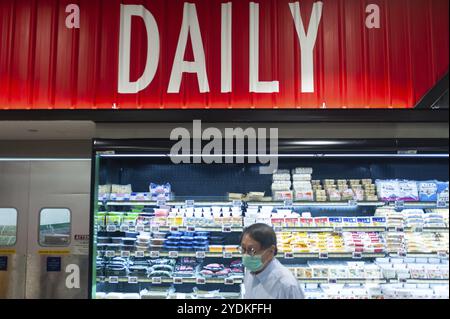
<point x="288" y="203"/>
<point x="200" y="255"/>
<point x="154" y="228"/>
<point x="189" y="203"/>
<point x="124" y="228"/>
<point x="161" y="202"/>
<point x="154" y="254"/>
<point x="227" y="255"/>
<point x="110" y="253"/>
<point x="111" y="228"/>
<point x="323" y="255"/>
<point x="139" y="228"/>
<point x="237" y="203"/>
<point x="288" y="255"/>
<point x="173" y="254"/>
<point x="200" y="281"/>
<point x="173" y="228"/>
<point x="352" y="202"/>
<point x="442" y="254"/>
<point x="277" y="229"/>
<point x="190" y="228"/>
<point x="417" y="229"/>
<point x="177" y="280"/>
<point x="226" y="228"/>
<point x="125" y="253"/>
<point x="356" y="255"/>
<point x="229" y="281"/>
<point x="400" y="229"/>
<point x="441" y="203"/>
<point x="132" y="280"/>
<point x="402" y="280"/>
<point x="399" y="204"/>
<point x="402" y="253"/>
<point x="132" y="229"/>
<point x="139" y="253"/>
<point x="332" y="280"/>
<point x="156" y="280"/>
<point x="113" y="279"/>
<point x="338" y="229"/>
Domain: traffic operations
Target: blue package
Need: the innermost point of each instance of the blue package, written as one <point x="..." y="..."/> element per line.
<point x="202" y="234"/>
<point x="442" y="191"/>
<point x="427" y="191"/>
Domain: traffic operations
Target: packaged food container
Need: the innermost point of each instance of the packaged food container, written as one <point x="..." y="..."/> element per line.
<point x="157" y="241"/>
<point x="200" y="247"/>
<point x="185" y="248"/>
<point x="231" y="248"/>
<point x="215" y="248"/>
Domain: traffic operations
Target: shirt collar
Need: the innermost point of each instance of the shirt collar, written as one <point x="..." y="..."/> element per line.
<point x="262" y="276"/>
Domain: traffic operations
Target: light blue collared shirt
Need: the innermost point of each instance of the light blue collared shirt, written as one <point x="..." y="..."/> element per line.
<point x="274" y="282"/>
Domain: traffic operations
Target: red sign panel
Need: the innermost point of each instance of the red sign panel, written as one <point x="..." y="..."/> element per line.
<point x="131" y="54"/>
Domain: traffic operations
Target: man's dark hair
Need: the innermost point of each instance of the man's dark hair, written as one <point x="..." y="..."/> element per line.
<point x="263" y="234"/>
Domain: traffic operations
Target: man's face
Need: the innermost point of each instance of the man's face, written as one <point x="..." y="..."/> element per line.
<point x="252" y="247"/>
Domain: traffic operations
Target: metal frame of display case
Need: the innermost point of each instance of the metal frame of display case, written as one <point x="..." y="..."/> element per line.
<point x="330" y="147"/>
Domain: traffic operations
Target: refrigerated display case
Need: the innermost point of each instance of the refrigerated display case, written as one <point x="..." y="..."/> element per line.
<point x="354" y="219"/>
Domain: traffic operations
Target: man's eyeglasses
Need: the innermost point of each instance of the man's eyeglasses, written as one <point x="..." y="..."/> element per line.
<point x="252" y="252"/>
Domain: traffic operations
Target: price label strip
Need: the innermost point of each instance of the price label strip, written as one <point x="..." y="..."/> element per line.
<point x="110" y="253"/>
<point x="177" y="280"/>
<point x="156" y="280"/>
<point x="323" y="255"/>
<point x="189" y="203"/>
<point x="154" y="228"/>
<point x="113" y="280"/>
<point x="227" y="255"/>
<point x="190" y="228"/>
<point x="200" y="281"/>
<point x="237" y="203"/>
<point x="288" y="203"/>
<point x="173" y="228"/>
<point x="288" y="255"/>
<point x="441" y="203"/>
<point x="399" y="204"/>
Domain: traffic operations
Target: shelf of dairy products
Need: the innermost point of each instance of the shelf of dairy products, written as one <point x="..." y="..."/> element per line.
<point x="167" y="203"/>
<point x="171" y="280"/>
<point x="170" y="254"/>
<point x="165" y="294"/>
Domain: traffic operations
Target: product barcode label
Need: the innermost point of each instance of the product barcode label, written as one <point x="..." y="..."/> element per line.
<point x="111" y="228"/>
<point x="177" y="280"/>
<point x="200" y="281"/>
<point x="154" y="254"/>
<point x="124" y="228"/>
<point x="132" y="280"/>
<point x="125" y="254"/>
<point x="113" y="280"/>
<point x="110" y="253"/>
<point x="356" y="255"/>
<point x="200" y="254"/>
<point x="156" y="280"/>
<point x="139" y="253"/>
<point x="173" y="254"/>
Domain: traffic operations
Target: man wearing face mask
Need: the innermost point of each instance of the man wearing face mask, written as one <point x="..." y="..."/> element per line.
<point x="265" y="277"/>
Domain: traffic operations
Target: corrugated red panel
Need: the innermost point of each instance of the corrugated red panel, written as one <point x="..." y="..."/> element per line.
<point x="44" y="64"/>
